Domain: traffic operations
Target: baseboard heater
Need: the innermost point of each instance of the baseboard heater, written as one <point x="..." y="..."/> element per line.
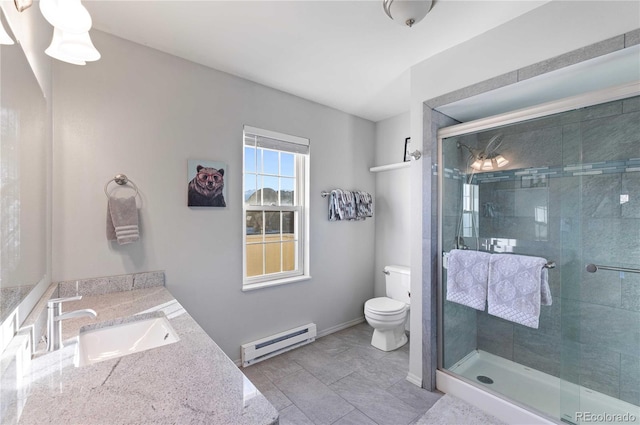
<point x="265" y="348"/>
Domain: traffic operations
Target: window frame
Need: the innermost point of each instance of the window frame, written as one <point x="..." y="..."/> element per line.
<point x="300" y="208"/>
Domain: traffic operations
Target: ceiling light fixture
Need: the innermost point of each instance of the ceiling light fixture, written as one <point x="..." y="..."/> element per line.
<point x="407" y="12"/>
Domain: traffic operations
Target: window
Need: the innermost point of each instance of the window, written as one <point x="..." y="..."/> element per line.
<point x="276" y="189"/>
<point x="470" y="210"/>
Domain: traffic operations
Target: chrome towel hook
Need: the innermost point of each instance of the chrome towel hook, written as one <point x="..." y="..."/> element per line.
<point x="120" y="179"/>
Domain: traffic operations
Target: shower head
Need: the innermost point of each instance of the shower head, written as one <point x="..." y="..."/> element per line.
<point x="495" y="139"/>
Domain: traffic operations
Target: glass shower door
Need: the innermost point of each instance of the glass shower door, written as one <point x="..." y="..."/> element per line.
<point x="600" y="226"/>
<point x="570" y="193"/>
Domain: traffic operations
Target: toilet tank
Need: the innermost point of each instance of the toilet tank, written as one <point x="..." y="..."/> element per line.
<point x="398" y="283"/>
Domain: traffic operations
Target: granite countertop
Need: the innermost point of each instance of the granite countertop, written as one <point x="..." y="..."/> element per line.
<point x="191" y="381"/>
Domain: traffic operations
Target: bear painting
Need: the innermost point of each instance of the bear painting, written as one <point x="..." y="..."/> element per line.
<point x="206" y="189"/>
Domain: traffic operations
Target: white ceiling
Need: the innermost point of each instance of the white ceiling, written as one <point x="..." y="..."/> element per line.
<point x="344" y="54"/>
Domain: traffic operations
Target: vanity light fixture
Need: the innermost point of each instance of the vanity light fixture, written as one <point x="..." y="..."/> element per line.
<point x="498" y="161"/>
<point x="71" y="22"/>
<point x="487" y="159"/>
<point x="407" y="12"/>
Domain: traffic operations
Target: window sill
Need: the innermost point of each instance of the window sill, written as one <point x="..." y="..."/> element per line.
<point x="278" y="282"/>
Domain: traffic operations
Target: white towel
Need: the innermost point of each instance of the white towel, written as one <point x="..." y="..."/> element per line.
<point x="518" y="285"/>
<point x="467" y="276"/>
<point x="122" y="220"/>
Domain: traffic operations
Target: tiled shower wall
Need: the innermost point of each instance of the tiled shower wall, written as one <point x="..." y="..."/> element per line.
<point x="580" y="171"/>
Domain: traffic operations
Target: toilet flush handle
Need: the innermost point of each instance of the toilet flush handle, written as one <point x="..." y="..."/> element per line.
<point x="386" y="272"/>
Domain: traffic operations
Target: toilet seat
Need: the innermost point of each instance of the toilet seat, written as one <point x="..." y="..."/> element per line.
<point x="385" y="306"/>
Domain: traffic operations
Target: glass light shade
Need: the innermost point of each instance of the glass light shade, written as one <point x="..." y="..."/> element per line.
<point x="57" y="55"/>
<point x="4" y="36"/>
<point x="79" y="46"/>
<point x="69" y="16"/>
<point x="487" y="164"/>
<point x="477" y="164"/>
<point x="407" y="12"/>
<point x="501" y="161"/>
<point x="49" y="9"/>
<point x="54" y="50"/>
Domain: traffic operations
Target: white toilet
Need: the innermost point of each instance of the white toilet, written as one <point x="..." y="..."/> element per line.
<point x="388" y="315"/>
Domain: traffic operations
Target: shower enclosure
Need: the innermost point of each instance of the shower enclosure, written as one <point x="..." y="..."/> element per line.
<point x="565" y="187"/>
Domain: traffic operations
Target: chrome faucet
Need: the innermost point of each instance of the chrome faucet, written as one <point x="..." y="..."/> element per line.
<point x="55" y="316"/>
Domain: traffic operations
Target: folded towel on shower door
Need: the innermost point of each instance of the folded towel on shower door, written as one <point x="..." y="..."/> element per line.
<point x="467" y="277"/>
<point x="518" y="286"/>
<point x="122" y="220"/>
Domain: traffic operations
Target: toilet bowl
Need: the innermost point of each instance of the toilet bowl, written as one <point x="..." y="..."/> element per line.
<point x="388" y="315"/>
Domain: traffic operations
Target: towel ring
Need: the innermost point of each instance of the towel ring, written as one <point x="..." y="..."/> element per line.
<point x="120" y="179"/>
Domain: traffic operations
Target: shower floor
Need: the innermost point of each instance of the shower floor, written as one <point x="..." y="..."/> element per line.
<point x="545" y="393"/>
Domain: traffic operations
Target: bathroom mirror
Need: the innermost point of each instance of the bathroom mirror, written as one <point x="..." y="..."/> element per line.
<point x="23" y="179"/>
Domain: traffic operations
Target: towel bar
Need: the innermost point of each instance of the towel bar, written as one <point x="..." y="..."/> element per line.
<point x="592" y="268"/>
<point x="120" y="179"/>
<point x="445" y="258"/>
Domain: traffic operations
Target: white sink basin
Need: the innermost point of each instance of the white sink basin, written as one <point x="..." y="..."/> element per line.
<point x="117" y="340"/>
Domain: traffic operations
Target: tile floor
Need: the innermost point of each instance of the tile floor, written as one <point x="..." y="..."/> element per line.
<point x="341" y="379"/>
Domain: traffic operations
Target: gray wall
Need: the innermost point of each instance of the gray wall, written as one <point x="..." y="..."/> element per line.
<point x="394" y="225"/>
<point x="144" y="113"/>
<point x="591" y="333"/>
<point x="392" y="199"/>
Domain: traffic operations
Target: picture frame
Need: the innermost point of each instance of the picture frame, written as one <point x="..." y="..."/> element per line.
<point x="206" y="187"/>
<point x="407" y="149"/>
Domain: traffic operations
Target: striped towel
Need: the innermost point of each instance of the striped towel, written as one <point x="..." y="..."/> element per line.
<point x="122" y="220"/>
<point x="336" y="205"/>
<point x="364" y="205"/>
<point x="347" y="205"/>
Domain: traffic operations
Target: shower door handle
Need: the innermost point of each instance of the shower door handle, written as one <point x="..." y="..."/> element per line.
<point x="592" y="268"/>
